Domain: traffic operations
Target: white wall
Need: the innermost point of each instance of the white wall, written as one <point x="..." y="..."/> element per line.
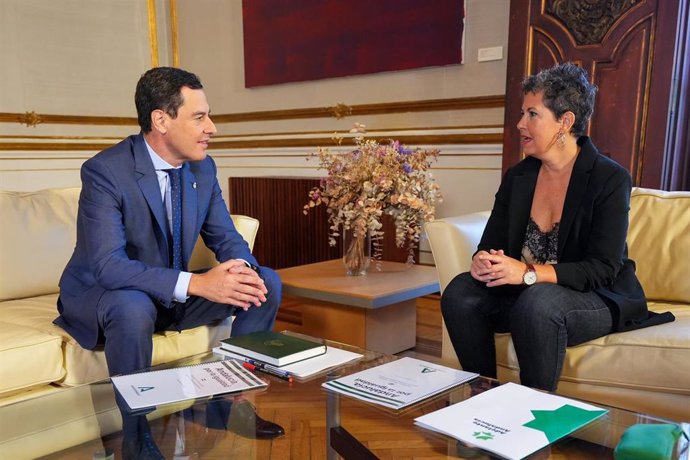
<point x="76" y="63"/>
<point x="211" y="44"/>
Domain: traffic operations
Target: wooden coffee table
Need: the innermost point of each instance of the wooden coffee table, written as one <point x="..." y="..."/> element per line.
<point x="376" y="311"/>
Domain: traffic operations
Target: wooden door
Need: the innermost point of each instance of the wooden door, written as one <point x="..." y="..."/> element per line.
<point x="627" y="48"/>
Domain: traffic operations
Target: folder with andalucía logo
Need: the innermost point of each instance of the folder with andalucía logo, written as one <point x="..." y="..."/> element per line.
<point x="511" y="420"/>
<point x="147" y="389"/>
<point x="399" y="383"/>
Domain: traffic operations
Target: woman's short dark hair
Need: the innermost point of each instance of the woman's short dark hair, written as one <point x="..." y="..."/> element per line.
<point x="161" y="88"/>
<point x="565" y="88"/>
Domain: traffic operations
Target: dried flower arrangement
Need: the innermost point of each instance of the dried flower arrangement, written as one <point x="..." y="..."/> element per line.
<point x="373" y="179"/>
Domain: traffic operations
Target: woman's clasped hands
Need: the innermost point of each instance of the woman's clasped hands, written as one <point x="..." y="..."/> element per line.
<point x="496" y="269"/>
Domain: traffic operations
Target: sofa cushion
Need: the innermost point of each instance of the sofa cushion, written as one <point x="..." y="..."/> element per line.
<point x="659" y="242"/>
<point x="86" y="366"/>
<point x="623" y="360"/>
<point x="29" y="358"/>
<point x="36" y="240"/>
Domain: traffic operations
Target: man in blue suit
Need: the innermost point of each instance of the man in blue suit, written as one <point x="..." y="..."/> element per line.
<point x="127" y="278"/>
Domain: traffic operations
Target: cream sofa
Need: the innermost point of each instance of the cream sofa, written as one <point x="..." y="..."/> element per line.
<point x="646" y="370"/>
<point x="37" y="237"/>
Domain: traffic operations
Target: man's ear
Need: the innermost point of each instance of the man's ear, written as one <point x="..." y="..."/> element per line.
<point x="159" y="121"/>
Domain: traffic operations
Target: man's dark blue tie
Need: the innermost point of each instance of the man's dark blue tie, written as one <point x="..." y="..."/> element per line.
<point x="176" y="217"/>
<point x="176" y="229"/>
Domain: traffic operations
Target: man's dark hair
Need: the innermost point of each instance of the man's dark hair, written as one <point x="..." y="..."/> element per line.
<point x="161" y="88"/>
<point x="565" y="88"/>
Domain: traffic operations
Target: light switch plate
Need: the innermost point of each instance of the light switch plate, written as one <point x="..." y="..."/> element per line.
<point x="490" y="54"/>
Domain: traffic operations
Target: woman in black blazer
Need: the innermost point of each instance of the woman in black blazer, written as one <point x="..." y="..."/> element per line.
<point x="552" y="266"/>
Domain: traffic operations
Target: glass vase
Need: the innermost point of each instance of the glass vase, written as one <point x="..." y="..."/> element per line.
<point x="356" y="253"/>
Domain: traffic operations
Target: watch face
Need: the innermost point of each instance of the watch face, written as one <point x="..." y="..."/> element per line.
<point x="530" y="278"/>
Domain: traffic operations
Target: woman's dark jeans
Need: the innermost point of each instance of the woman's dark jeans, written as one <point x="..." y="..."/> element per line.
<point x="543" y="319"/>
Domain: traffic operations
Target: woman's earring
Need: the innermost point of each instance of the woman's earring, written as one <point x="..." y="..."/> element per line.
<point x="561" y="139"/>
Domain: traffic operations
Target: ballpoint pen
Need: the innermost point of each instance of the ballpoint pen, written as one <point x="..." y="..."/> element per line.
<point x="263" y="367"/>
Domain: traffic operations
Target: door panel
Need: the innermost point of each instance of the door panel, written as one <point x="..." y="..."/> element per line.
<point x="626" y="46"/>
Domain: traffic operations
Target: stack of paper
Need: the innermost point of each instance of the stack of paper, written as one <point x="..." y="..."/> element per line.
<point x="511" y="420"/>
<point x="399" y="383"/>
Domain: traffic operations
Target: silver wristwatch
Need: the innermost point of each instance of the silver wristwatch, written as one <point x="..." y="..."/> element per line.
<point x="530" y="275"/>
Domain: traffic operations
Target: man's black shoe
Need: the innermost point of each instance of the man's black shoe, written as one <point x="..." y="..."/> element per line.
<point x="139" y="445"/>
<point x="244" y="420"/>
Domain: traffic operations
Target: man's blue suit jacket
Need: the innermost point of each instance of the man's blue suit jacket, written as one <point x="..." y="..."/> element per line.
<point x="122" y="233"/>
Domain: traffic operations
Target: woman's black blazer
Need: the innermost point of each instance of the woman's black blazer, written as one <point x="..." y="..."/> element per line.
<point x="592" y="250"/>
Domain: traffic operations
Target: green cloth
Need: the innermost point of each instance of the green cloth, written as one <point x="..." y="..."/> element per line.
<point x="647" y="442"/>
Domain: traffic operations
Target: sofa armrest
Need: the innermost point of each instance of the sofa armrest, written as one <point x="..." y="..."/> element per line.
<point x="202" y="257"/>
<point x="453" y="240"/>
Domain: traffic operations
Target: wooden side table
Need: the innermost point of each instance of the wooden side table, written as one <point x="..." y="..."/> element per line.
<point x="376" y="311"/>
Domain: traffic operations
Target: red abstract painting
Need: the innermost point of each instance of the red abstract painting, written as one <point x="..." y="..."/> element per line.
<point x="301" y="40"/>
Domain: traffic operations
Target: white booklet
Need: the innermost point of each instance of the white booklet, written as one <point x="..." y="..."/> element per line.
<point x="511" y="420"/>
<point x="152" y="388"/>
<point x="305" y="368"/>
<point x="399" y="383"/>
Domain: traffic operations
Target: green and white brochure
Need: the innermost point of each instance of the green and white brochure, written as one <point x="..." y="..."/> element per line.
<point x="511" y="420"/>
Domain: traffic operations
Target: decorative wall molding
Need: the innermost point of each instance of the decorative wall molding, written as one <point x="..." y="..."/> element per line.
<point x="341" y="110"/>
<point x="291" y="157"/>
<point x="379" y="132"/>
<point x="72" y="138"/>
<point x="53" y="146"/>
<point x="174" y="36"/>
<point x="67" y="119"/>
<point x="433" y="139"/>
<point x="443" y="135"/>
<point x="30" y="119"/>
<point x="431" y="105"/>
<point x="440" y="135"/>
<point x="153" y="32"/>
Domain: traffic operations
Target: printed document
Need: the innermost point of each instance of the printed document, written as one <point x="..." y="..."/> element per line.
<point x="511" y="420"/>
<point x="152" y="388"/>
<point x="399" y="383"/>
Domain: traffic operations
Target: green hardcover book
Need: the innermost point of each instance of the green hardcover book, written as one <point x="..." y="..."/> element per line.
<point x="273" y="347"/>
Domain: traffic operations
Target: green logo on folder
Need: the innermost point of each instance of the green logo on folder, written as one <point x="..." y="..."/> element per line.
<point x="483" y="435"/>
